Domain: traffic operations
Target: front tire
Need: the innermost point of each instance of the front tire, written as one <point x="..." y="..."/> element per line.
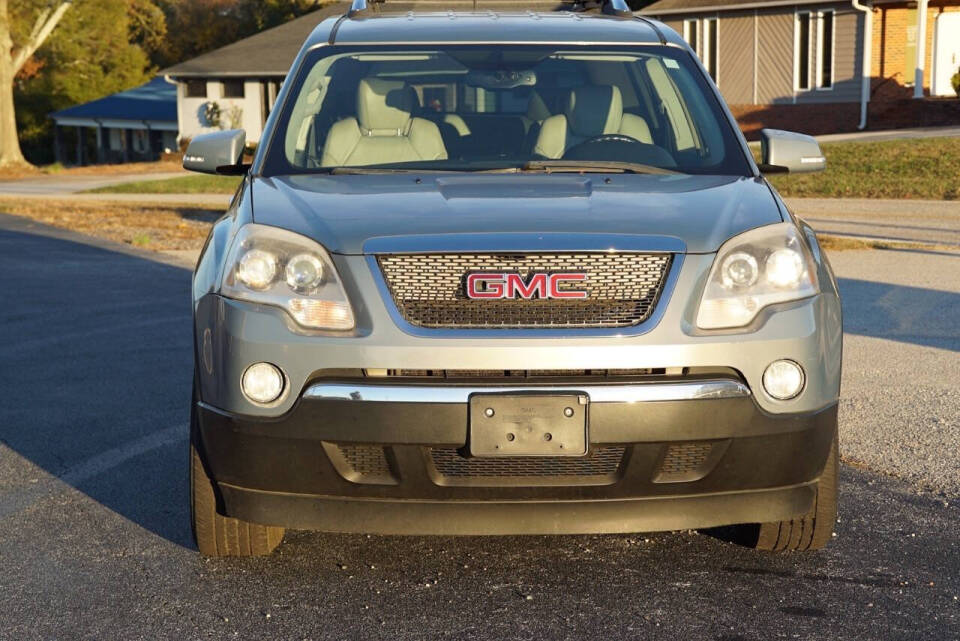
<point x="813" y="530"/>
<point x="217" y="535"/>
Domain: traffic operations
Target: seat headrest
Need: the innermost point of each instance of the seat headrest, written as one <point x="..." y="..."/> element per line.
<point x="537" y="108"/>
<point x="384" y="106"/>
<point x="594" y="110"/>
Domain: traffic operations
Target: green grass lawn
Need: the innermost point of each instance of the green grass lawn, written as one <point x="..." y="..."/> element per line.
<point x="924" y="169"/>
<point x="194" y="184"/>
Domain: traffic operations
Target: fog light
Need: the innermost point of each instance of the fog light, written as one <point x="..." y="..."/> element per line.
<point x="262" y="383"/>
<point x="783" y="380"/>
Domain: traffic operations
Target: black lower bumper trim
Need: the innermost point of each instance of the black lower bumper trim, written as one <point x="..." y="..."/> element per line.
<point x="373" y="516"/>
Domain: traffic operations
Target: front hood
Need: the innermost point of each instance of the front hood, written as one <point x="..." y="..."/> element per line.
<point x="343" y="212"/>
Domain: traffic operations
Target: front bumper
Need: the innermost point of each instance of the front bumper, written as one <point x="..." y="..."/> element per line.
<point x="690" y="463"/>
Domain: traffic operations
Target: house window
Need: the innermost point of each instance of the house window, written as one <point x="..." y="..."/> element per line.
<point x="233" y="89"/>
<point x="802" y="59"/>
<point x="196" y="89"/>
<point x="825" y="45"/>
<point x="701" y="35"/>
<point x="709" y="56"/>
<point x="691" y="33"/>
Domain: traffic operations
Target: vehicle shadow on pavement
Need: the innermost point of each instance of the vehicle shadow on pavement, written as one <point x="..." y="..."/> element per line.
<point x="96" y="351"/>
<point x="900" y="313"/>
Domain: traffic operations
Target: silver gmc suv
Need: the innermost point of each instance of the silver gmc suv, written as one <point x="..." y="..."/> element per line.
<point x="510" y="273"/>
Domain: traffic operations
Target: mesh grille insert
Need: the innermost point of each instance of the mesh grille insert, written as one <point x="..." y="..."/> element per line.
<point x="600" y="466"/>
<point x="685" y="462"/>
<point x="361" y="463"/>
<point x="622" y="289"/>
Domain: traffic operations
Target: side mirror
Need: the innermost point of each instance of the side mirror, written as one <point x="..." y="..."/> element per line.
<point x="218" y="153"/>
<point x="786" y="151"/>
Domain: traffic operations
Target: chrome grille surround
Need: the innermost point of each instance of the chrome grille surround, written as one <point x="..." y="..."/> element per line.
<point x="622" y="287"/>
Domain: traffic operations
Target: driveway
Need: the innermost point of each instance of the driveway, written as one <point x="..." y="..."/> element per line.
<point x="59" y="185"/>
<point x="95" y="543"/>
<point x="924" y="221"/>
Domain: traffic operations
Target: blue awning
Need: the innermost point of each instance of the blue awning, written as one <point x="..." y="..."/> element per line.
<point x="155" y="101"/>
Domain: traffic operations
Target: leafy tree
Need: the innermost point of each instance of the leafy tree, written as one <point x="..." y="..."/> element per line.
<point x="14" y="54"/>
<point x="99" y="48"/>
<point x="197" y="26"/>
<point x="104" y="46"/>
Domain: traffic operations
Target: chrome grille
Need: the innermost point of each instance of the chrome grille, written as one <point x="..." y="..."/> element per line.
<point x="622" y="289"/>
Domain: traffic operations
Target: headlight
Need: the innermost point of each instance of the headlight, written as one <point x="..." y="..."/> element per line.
<point x="273" y="266"/>
<point x="756" y="269"/>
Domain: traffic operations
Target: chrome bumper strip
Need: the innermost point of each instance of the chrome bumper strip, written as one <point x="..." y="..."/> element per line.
<point x="638" y="393"/>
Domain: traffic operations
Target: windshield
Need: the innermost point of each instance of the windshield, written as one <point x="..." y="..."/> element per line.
<point x="502" y="107"/>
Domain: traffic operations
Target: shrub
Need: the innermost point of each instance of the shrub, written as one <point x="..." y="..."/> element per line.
<point x="955" y="81"/>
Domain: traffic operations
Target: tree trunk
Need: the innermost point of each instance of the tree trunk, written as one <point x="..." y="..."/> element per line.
<point x="10" y="153"/>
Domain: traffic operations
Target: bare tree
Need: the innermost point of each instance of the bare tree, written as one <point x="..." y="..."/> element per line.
<point x="11" y="61"/>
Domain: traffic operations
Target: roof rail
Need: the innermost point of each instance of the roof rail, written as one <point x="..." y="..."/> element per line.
<point x="362" y="6"/>
<point x="617" y="8"/>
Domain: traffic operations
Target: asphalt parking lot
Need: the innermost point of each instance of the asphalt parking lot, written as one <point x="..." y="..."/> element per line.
<point x="95" y="366"/>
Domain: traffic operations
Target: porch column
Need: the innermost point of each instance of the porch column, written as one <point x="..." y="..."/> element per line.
<point x="81" y="144"/>
<point x="58" y="143"/>
<point x="101" y="146"/>
<point x="127" y="145"/>
<point x="149" y="140"/>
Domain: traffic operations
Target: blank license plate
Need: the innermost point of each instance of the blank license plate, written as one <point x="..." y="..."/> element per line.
<point x="528" y="424"/>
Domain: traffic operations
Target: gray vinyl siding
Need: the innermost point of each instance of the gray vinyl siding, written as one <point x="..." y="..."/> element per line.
<point x="775" y="56"/>
<point x="676" y="24"/>
<point x="773" y="50"/>
<point x="735" y="57"/>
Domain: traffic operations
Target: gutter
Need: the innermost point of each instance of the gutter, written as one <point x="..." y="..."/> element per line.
<point x="758" y="4"/>
<point x="866" y="58"/>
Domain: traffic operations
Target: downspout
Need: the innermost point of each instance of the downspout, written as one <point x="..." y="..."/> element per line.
<point x="867" y="59"/>
<point x="921" y="48"/>
<point x="169" y="80"/>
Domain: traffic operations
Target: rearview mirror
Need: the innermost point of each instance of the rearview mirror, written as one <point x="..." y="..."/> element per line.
<point x="501" y="79"/>
<point x="786" y="151"/>
<point x="218" y="153"/>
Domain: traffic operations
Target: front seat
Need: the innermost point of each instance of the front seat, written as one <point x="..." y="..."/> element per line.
<point x="591" y="111"/>
<point x="384" y="130"/>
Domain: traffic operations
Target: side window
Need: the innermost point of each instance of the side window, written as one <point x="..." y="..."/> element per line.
<point x="710" y="46"/>
<point x="825" y="47"/>
<point x="691" y="33"/>
<point x="803" y="34"/>
<point x="196" y="89"/>
<point x="814" y="50"/>
<point x="703" y="38"/>
<point x="233" y="89"/>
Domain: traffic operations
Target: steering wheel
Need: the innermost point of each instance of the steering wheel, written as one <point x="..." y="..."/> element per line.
<point x="615" y="147"/>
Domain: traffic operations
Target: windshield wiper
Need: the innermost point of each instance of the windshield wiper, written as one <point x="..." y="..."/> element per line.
<point x="589" y="166"/>
<point x="342" y="171"/>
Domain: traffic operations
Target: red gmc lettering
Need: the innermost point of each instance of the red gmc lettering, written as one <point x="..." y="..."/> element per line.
<point x="512" y="285"/>
<point x="493" y="289"/>
<point x="556" y="279"/>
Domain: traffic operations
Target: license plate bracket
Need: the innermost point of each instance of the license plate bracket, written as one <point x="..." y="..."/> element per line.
<point x="534" y="424"/>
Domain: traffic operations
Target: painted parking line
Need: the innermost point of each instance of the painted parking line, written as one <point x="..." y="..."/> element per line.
<point x="20" y="499"/>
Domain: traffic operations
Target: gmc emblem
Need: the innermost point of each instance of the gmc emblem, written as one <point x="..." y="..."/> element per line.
<point x="498" y="285"/>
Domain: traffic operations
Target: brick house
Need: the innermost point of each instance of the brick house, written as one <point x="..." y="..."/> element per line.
<point x="801" y="65"/>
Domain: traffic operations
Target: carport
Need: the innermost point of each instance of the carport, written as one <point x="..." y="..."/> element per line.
<point x="134" y="125"/>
